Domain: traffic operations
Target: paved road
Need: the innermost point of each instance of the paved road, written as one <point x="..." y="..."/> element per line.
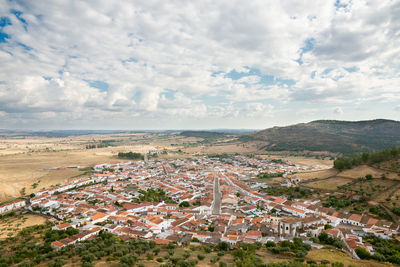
<point x="216" y="205"/>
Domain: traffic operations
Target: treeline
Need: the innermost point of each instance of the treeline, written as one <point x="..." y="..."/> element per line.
<point x="130" y="155"/>
<point x="103" y="143"/>
<point x="289" y="192"/>
<point x="265" y="175"/>
<point x="202" y="134"/>
<point x="366" y="158"/>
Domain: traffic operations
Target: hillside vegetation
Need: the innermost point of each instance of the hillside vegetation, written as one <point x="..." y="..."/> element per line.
<point x="369" y="159"/>
<point x="344" y="137"/>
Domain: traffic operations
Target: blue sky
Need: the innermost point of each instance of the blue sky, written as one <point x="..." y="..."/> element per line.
<point x="196" y="64"/>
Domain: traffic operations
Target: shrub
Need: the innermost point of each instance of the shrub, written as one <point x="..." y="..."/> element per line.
<point x="186" y="254"/>
<point x="270" y="244"/>
<point x="207" y="249"/>
<point x="362" y="253"/>
<point x="223" y="246"/>
<point x="200" y="256"/>
<point x="156" y="251"/>
<point x="214" y="259"/>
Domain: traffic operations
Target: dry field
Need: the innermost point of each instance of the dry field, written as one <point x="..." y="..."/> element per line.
<point x="339" y="256"/>
<point x="23" y="170"/>
<point x="300" y="160"/>
<point x="318" y="174"/>
<point x="12" y="225"/>
<point x="24" y="162"/>
<point x="229" y="148"/>
<point x="330" y="183"/>
<point x="361" y="171"/>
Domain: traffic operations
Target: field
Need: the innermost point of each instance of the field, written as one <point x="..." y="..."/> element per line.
<point x="329" y="184"/>
<point x="361" y="171"/>
<point x="10" y="226"/>
<point x="44" y="168"/>
<point x="300" y="160"/>
<point x="313" y="175"/>
<point x="384" y="187"/>
<point x="338" y="256"/>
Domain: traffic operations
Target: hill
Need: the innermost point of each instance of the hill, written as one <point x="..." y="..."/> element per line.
<point x="345" y="137"/>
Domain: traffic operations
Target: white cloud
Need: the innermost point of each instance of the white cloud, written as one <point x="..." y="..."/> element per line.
<point x="338" y="110"/>
<point x="142" y="48"/>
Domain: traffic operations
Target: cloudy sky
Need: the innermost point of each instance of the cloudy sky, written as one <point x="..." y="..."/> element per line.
<point x="196" y="64"/>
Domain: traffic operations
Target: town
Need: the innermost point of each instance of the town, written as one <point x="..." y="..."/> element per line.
<point x="198" y="200"/>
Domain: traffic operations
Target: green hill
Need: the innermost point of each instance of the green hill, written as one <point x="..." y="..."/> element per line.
<point x="346" y="137"/>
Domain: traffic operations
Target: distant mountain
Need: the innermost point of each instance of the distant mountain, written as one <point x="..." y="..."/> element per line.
<point x="346" y="137"/>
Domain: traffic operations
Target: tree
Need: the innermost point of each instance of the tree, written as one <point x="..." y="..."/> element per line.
<point x="184" y="204"/>
<point x="270" y="244"/>
<point x="239" y="253"/>
<point x="223" y="246"/>
<point x="362" y="253"/>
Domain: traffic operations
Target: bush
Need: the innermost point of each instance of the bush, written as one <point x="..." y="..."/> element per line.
<point x="200" y="257"/>
<point x="224" y="246"/>
<point x="270" y="244"/>
<point x="299" y="259"/>
<point x="156" y="251"/>
<point x="214" y="259"/>
<point x="362" y="253"/>
<point x="207" y="249"/>
<point x="160" y="259"/>
<point x="186" y="254"/>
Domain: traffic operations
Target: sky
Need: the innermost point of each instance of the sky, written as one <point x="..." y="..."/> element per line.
<point x="110" y="64"/>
